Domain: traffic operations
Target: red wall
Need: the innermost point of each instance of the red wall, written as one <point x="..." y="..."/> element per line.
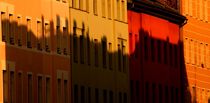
<point x="153" y="77"/>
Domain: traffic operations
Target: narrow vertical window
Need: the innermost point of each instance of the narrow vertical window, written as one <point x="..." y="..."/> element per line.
<point x="109" y="8"/>
<point x="30" y="89"/>
<point x="119" y="57"/>
<point x="104" y="96"/>
<point x="82" y="94"/>
<point x="153" y="93"/>
<point x="28" y="34"/>
<point x="172" y="94"/>
<point x="66" y="91"/>
<point x="95" y="7"/>
<point x="125" y="98"/>
<point x="12" y="87"/>
<point x="87" y="5"/>
<point x="171" y="54"/>
<point x="124" y="58"/>
<point x="123" y="10"/>
<point x="58" y="39"/>
<point x="165" y="52"/>
<point x="19" y="31"/>
<point x="20" y="88"/>
<point x="120" y="97"/>
<point x="176" y="55"/>
<point x="82" y="49"/>
<point x="104" y="49"/>
<point x="40" y="89"/>
<point x="47" y="37"/>
<point x="89" y="95"/>
<point x="137" y="92"/>
<point x="81" y="4"/>
<point x="118" y="9"/>
<point x="166" y="95"/>
<point x="11" y="29"/>
<point x="103" y="8"/>
<point x="111" y="98"/>
<point x="48" y="90"/>
<point x="131" y="90"/>
<point x="75" y="49"/>
<point x="147" y="92"/>
<point x="5" y="86"/>
<point x="74" y="3"/>
<point x="4" y="26"/>
<point x="65" y="39"/>
<point x="153" y="49"/>
<point x="76" y="95"/>
<point x="110" y="56"/>
<point x="136" y="47"/>
<point x="159" y="50"/>
<point x="160" y="94"/>
<point x="59" y="91"/>
<point x="96" y="95"/>
<point x="88" y="49"/>
<point x="96" y="52"/>
<point x="145" y="48"/>
<point x="177" y="95"/>
<point x="39" y="35"/>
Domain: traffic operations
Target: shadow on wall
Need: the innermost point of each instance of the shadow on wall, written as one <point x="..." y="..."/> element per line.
<point x="38" y="62"/>
<point x="161" y="57"/>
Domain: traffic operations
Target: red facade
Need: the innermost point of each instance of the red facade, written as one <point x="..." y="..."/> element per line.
<point x="155" y="75"/>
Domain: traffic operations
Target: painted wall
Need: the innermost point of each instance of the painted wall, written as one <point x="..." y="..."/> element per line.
<point x="154" y="51"/>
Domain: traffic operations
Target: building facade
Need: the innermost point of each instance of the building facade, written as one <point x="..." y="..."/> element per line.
<point x="155" y="52"/>
<point x="99" y="48"/>
<point x="197" y="50"/>
<point x="35" y="53"/>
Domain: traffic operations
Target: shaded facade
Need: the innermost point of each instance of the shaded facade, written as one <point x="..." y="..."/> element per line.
<point x="155" y="52"/>
<point x="99" y="48"/>
<point x="35" y="58"/>
<point x="197" y="50"/>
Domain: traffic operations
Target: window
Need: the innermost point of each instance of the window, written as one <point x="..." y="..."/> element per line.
<point x="120" y="97"/>
<point x="66" y="91"/>
<point x="118" y="9"/>
<point x="159" y="51"/>
<point x="153" y="49"/>
<point x="124" y="58"/>
<point x="76" y="95"/>
<point x="82" y="94"/>
<point x="123" y="10"/>
<point x="166" y="95"/>
<point x="11" y="29"/>
<point x="103" y="8"/>
<point x="171" y="54"/>
<point x="20" y="88"/>
<point x="145" y="48"/>
<point x="75" y="49"/>
<point x="96" y="95"/>
<point x="111" y="100"/>
<point x="59" y="91"/>
<point x="137" y="92"/>
<point x="81" y="4"/>
<point x="28" y="34"/>
<point x="109" y="8"/>
<point x="87" y="5"/>
<point x="89" y="95"/>
<point x="125" y="98"/>
<point x="40" y="89"/>
<point x="176" y="55"/>
<point x="193" y="94"/>
<point x="172" y="94"/>
<point x="153" y="93"/>
<point x="131" y="89"/>
<point x="74" y="3"/>
<point x="39" y="35"/>
<point x="160" y="94"/>
<point x="119" y="57"/>
<point x="58" y="37"/>
<point x="104" y="96"/>
<point x="48" y="90"/>
<point x="82" y="49"/>
<point x="4" y="26"/>
<point x="110" y="56"/>
<point x="65" y="39"/>
<point x="96" y="52"/>
<point x="177" y="95"/>
<point x="30" y="89"/>
<point x="136" y="47"/>
<point x="12" y="87"/>
<point x="19" y="32"/>
<point x="95" y="7"/>
<point x="5" y="86"/>
<point x="147" y="92"/>
<point x="88" y="49"/>
<point x="104" y="49"/>
<point x="165" y="52"/>
<point x="47" y="37"/>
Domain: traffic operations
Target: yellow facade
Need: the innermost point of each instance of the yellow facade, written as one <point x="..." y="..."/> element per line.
<point x="99" y="48"/>
<point x="196" y="49"/>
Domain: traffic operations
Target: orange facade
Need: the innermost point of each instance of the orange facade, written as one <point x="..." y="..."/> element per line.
<point x="197" y="50"/>
<point x="35" y="58"/>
